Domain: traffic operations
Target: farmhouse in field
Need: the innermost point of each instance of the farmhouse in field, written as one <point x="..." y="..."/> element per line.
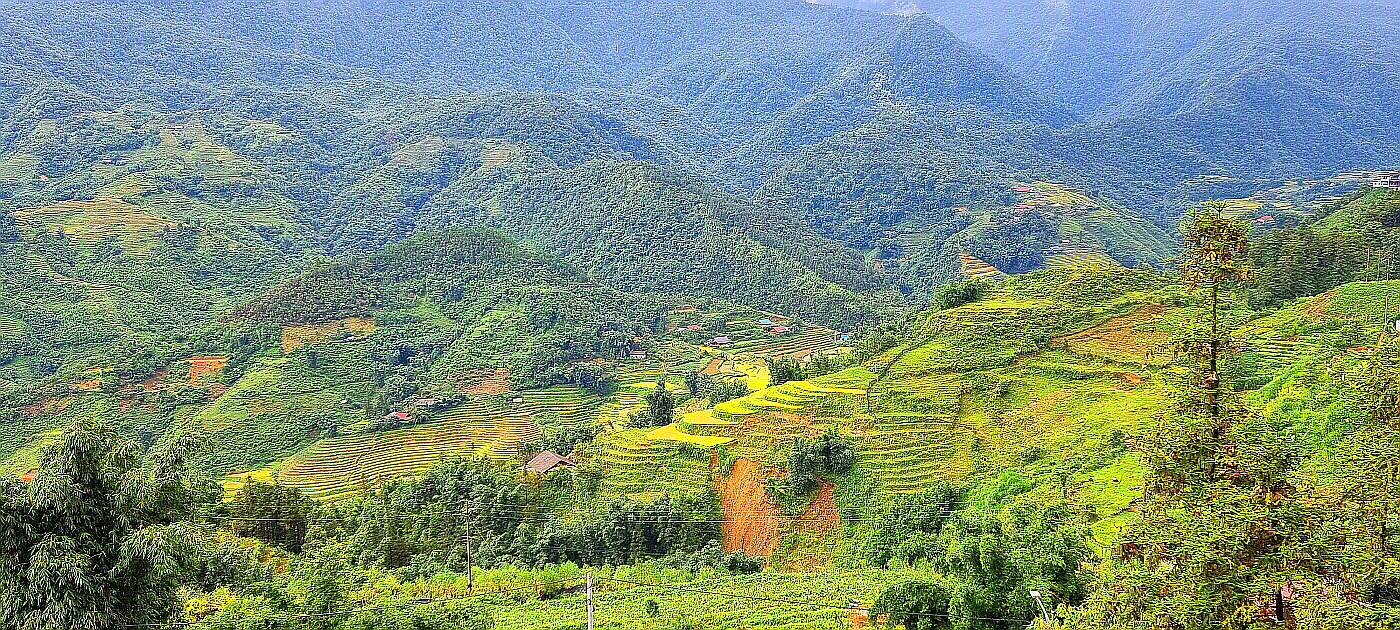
<point x="547" y="462"/>
<point x="778" y="330"/>
<point x="1389" y="179"/>
<point x="398" y="416"/>
<point x="765" y="322"/>
<point x="637" y="354"/>
<point x="722" y="342"/>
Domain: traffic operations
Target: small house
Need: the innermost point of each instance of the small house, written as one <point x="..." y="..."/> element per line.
<point x="691" y="327"/>
<point x="778" y="330"/>
<point x="765" y="322"/>
<point x="1023" y="189"/>
<point x="637" y="354"/>
<point x="547" y="462"/>
<point x="399" y="416"/>
<point x="1389" y="180"/>
<point x="842" y="337"/>
<point x="1264" y="219"/>
<point x="722" y="342"/>
<point x="426" y="402"/>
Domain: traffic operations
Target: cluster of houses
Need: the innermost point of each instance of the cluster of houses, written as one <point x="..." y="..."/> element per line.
<point x="1386" y="179"/>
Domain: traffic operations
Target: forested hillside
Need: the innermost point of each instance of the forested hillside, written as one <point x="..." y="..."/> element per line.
<point x="733" y="92"/>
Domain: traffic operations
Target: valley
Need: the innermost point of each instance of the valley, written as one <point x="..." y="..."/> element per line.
<point x="410" y="315"/>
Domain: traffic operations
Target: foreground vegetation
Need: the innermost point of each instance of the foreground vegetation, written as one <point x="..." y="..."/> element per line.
<point x="1137" y="448"/>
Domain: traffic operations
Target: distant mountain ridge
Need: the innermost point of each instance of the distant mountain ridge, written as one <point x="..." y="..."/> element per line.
<point x="376" y="119"/>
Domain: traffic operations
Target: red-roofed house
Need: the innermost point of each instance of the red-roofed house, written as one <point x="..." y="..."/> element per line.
<point x="1265" y="219"/>
<point x="778" y="330"/>
<point x="400" y="415"/>
<point x="1023" y="189"/>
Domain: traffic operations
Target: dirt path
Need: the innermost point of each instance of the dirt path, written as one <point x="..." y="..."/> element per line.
<point x="751" y="520"/>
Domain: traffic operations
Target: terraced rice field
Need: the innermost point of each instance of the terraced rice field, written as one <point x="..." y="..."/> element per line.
<point x="813" y="340"/>
<point x="571" y="405"/>
<point x="636" y="463"/>
<point x="95" y="219"/>
<point x="1279" y="354"/>
<point x="10" y="328"/>
<point x="974" y="267"/>
<point x="1077" y="258"/>
<point x="337" y="467"/>
<point x="908" y="457"/>
<point x="790" y="396"/>
<point x="294" y="337"/>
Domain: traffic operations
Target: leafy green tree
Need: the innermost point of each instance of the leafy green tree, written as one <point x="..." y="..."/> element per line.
<point x="782" y="370"/>
<point x="985" y="561"/>
<point x="957" y="294"/>
<point x="660" y="408"/>
<point x="273" y="513"/>
<point x="726" y="390"/>
<point x="828" y="454"/>
<point x="97" y="540"/>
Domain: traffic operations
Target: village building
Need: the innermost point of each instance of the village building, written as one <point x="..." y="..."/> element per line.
<point x="547" y="462"/>
<point x="765" y="322"/>
<point x="637" y="354"/>
<point x="426" y="402"/>
<point x="722" y="342"/>
<point x="1388" y="179"/>
<point x="398" y="416"/>
<point x="778" y="330"/>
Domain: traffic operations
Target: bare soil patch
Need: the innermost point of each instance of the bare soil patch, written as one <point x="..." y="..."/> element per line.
<point x="1118" y="337"/>
<point x="751" y="519"/>
<point x="483" y="381"/>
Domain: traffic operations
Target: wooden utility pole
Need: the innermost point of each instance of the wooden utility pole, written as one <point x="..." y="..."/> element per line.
<point x="588" y="598"/>
<point x="469" y="550"/>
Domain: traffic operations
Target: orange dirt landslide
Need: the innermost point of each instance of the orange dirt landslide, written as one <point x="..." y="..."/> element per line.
<point x="155" y="381"/>
<point x="88" y="385"/>
<point x="751" y="520"/>
<point x="47" y="406"/>
<point x="1320" y="307"/>
<point x="201" y="366"/>
<point x="484" y="381"/>
<point x="821" y="516"/>
<point x="713" y="367"/>
<point x="1116" y="335"/>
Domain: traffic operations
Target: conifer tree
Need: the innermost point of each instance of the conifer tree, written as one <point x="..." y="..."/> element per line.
<point x="1219" y="528"/>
